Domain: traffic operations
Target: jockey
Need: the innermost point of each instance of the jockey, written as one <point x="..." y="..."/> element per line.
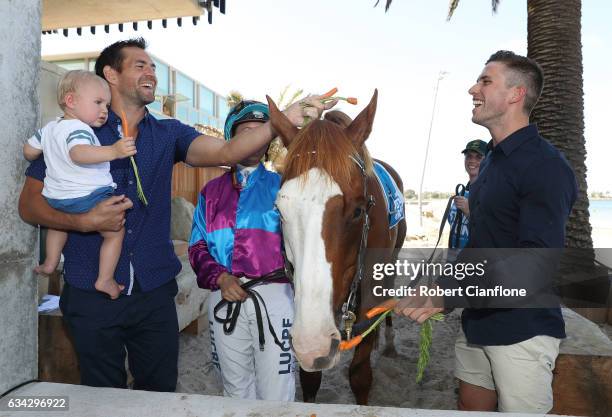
<point x="235" y="250"/>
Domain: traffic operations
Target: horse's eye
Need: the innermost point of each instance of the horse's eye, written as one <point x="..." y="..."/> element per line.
<point x="357" y="213"/>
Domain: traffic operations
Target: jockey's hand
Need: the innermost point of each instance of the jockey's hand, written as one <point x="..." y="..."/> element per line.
<point x="462" y="204"/>
<point x="419" y="308"/>
<point x="230" y="288"/>
<point x="310" y="107"/>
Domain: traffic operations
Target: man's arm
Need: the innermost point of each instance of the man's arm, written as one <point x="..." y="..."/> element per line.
<point x="209" y="151"/>
<point x="92" y="154"/>
<point x="34" y="209"/>
<point x="548" y="193"/>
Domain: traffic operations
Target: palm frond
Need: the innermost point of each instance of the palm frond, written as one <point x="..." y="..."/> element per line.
<point x="386" y="6"/>
<point x="454" y="3"/>
<point x="451" y="8"/>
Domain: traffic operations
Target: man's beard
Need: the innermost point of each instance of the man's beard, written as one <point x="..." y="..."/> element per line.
<point x="144" y="99"/>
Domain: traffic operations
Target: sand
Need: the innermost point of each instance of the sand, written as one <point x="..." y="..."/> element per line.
<point x="394" y="377"/>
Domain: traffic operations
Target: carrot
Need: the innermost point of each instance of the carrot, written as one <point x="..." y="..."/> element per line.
<point x="124" y="124"/>
<point x="351" y="100"/>
<point x="126" y="133"/>
<point x="330" y="93"/>
<point x="385" y="306"/>
<point x="349" y="344"/>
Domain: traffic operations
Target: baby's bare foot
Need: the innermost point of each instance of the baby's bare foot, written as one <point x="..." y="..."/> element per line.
<point x="45" y="269"/>
<point x="109" y="287"/>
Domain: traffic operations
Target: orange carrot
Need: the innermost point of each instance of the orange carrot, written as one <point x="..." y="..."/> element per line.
<point x="349" y="344"/>
<point x="124" y="125"/>
<point x="330" y="93"/>
<point x="351" y="100"/>
<point x="385" y="306"/>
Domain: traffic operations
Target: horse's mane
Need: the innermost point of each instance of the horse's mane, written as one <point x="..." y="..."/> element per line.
<point x="324" y="144"/>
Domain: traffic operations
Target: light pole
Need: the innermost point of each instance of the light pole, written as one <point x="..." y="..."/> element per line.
<point x="433" y="112"/>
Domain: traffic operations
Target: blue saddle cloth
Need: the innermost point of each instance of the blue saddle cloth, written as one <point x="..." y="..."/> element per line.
<point x="394" y="198"/>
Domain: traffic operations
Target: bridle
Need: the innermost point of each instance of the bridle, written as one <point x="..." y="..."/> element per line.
<point x="349" y="315"/>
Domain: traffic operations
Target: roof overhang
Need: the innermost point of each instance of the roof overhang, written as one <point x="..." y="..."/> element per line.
<point x="61" y="14"/>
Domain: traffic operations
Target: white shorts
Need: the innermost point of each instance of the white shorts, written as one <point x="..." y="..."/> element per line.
<point x="246" y="371"/>
<point x="521" y="373"/>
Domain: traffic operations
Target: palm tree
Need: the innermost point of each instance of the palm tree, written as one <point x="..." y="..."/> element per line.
<point x="554" y="41"/>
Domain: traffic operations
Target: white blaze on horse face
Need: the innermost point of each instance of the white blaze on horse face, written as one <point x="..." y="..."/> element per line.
<point x="302" y="204"/>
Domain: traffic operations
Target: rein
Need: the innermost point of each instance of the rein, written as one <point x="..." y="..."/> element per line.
<point x="233" y="307"/>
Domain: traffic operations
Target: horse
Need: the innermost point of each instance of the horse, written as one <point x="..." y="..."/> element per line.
<point x="329" y="198"/>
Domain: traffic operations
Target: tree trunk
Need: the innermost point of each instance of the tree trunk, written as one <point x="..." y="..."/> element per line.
<point x="554" y="41"/>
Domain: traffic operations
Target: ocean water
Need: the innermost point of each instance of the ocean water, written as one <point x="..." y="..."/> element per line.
<point x="601" y="214"/>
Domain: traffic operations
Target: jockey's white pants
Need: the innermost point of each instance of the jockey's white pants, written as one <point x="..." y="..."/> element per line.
<point x="246" y="371"/>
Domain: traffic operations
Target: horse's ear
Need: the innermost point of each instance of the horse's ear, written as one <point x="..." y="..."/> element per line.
<point x="281" y="124"/>
<point x="359" y="130"/>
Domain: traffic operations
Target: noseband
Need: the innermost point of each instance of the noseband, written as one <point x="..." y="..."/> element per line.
<point x="349" y="315"/>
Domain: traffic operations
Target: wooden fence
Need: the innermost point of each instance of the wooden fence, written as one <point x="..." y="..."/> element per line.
<point x="188" y="181"/>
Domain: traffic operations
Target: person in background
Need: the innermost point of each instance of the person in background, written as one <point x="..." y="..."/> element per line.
<point x="458" y="217"/>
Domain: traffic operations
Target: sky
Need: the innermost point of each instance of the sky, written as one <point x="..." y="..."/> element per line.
<point x="260" y="47"/>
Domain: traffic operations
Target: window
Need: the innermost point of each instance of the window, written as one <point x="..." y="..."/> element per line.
<point x="207" y="100"/>
<point x="184" y="87"/>
<point x="194" y="116"/>
<point x="162" y="73"/>
<point x="156" y="106"/>
<point x="182" y="112"/>
<point x="222" y="108"/>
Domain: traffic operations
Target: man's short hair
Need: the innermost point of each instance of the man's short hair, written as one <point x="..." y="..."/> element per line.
<point x="112" y="55"/>
<point x="72" y="81"/>
<point x="525" y="71"/>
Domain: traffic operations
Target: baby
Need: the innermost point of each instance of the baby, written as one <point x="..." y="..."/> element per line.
<point x="78" y="169"/>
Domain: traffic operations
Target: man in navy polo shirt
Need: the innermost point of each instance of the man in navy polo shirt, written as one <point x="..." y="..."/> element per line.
<point x="143" y="319"/>
<point x="522" y="198"/>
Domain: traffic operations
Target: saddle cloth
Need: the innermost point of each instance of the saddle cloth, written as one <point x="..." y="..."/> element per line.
<point x="394" y="198"/>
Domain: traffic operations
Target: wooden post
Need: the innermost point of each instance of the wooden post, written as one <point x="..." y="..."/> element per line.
<point x="582" y="385"/>
<point x="57" y="359"/>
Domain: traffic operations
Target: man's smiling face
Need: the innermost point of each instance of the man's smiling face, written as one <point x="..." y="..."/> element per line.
<point x="490" y="95"/>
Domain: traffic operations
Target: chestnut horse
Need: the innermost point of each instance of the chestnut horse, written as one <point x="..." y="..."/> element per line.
<point x="328" y="192"/>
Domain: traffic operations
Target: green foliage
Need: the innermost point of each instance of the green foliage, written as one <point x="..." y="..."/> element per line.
<point x="281" y="99"/>
<point x="425" y="343"/>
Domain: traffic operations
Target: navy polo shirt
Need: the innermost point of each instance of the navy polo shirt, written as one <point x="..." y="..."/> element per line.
<point x="522" y="197"/>
<point x="147" y="254"/>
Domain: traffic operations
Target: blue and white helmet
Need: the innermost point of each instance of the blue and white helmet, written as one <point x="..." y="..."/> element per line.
<point x="245" y="111"/>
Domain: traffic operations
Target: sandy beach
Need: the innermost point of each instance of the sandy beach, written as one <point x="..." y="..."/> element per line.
<point x="394" y="377"/>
